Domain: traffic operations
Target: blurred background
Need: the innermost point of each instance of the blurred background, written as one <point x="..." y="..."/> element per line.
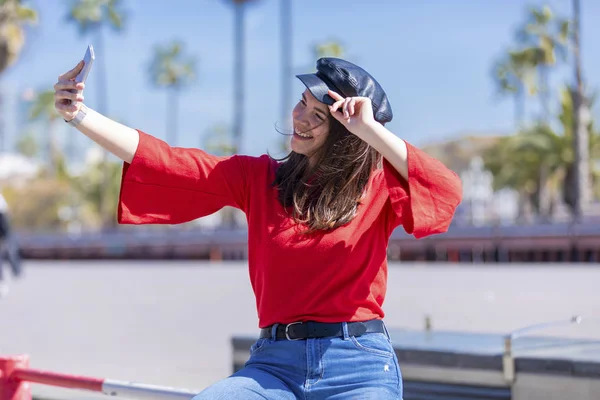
<point x="491" y="89"/>
<point x="504" y="93"/>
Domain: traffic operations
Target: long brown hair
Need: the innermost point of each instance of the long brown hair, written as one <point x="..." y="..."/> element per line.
<point x="326" y="196"/>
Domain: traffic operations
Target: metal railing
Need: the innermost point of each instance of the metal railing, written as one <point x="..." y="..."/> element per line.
<point x="16" y="377"/>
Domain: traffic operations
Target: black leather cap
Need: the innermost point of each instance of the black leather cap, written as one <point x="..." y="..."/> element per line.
<point x="349" y="80"/>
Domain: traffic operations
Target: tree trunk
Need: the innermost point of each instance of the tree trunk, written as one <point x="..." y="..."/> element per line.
<point x="172" y="116"/>
<point x="543" y="199"/>
<point x="100" y="70"/>
<point x="238" y="119"/>
<point x="286" y="67"/>
<point x="52" y="149"/>
<point x="545" y="93"/>
<point x="580" y="126"/>
<point x="519" y="107"/>
<point x="569" y="188"/>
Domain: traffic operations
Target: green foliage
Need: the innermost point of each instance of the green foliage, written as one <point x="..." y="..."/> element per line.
<point x="331" y="48"/>
<point x="546" y="35"/>
<point x="43" y="106"/>
<point x="90" y="15"/>
<point x="27" y="145"/>
<point x="13" y="17"/>
<point x="90" y="191"/>
<point x="514" y="72"/>
<point x="170" y="67"/>
<point x="35" y="206"/>
<point x="538" y="158"/>
<point x="218" y="140"/>
<point x="539" y="161"/>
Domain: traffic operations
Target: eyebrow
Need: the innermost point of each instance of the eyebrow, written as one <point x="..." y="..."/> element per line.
<point x="316" y="108"/>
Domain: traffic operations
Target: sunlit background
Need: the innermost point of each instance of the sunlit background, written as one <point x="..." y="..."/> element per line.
<point x="503" y="92"/>
<point x="484" y="86"/>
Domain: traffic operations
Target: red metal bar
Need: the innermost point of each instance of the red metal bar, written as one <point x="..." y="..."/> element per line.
<point x="55" y="379"/>
<point x="11" y="389"/>
<point x="15" y="379"/>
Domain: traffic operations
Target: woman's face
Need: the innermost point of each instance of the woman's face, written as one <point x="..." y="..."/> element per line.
<point x="311" y="126"/>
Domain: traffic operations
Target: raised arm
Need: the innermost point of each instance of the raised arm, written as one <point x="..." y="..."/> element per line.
<point x="423" y="192"/>
<point x="116" y="138"/>
<point x="160" y="184"/>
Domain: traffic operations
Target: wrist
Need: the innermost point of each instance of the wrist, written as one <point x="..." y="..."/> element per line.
<point x="79" y="116"/>
<point x="368" y="130"/>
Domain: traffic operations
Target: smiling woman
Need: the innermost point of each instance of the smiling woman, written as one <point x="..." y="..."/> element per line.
<point x="319" y="222"/>
<point x="309" y="123"/>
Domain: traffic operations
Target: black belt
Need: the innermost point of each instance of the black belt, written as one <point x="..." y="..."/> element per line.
<point x="310" y="329"/>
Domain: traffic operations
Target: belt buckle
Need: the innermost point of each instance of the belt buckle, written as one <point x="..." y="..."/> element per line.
<point x="287" y="327"/>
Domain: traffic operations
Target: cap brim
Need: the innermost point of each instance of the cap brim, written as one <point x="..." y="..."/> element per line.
<point x="317" y="87"/>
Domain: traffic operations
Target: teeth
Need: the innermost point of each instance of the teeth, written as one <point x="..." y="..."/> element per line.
<point x="301" y="134"/>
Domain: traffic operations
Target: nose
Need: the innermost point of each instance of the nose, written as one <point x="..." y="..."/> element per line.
<point x="300" y="119"/>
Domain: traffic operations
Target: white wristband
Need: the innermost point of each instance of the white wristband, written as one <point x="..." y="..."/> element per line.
<point x="81" y="114"/>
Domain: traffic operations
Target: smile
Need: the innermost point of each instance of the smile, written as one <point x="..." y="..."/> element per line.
<point x="302" y="135"/>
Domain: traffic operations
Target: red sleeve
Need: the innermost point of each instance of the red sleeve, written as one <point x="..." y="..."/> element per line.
<point x="434" y="192"/>
<point x="170" y="185"/>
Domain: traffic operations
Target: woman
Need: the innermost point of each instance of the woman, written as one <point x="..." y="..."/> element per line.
<point x="318" y="227"/>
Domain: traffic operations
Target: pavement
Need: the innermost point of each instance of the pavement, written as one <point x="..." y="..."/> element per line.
<point x="147" y="321"/>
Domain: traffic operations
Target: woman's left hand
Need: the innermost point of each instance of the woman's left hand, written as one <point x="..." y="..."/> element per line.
<point x="355" y="113"/>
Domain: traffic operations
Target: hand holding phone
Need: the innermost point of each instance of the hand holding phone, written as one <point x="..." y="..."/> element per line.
<point x="88" y="60"/>
<point x="68" y="90"/>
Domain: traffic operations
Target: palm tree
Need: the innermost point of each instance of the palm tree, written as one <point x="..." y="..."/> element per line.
<point x="91" y="16"/>
<point x="533" y="163"/>
<point x="545" y="36"/>
<point x="332" y="48"/>
<point x="43" y="107"/>
<point x="581" y="134"/>
<point x="13" y="17"/>
<point x="539" y="162"/>
<point x="567" y="118"/>
<point x="513" y="75"/>
<point x="172" y="70"/>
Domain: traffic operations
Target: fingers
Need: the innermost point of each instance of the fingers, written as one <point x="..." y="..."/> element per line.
<point x="334" y="95"/>
<point x="66" y="108"/>
<point x="352" y="106"/>
<point x="67" y="95"/>
<point x="72" y="73"/>
<point x="334" y="107"/>
<point x="68" y="85"/>
<point x="345" y="107"/>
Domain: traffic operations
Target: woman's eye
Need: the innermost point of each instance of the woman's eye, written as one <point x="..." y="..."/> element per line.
<point x="303" y="102"/>
<point x="320" y="117"/>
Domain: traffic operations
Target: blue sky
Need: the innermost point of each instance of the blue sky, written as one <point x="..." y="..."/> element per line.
<point x="433" y="57"/>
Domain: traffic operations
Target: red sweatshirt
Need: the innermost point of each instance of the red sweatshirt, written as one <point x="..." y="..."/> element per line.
<point x="335" y="276"/>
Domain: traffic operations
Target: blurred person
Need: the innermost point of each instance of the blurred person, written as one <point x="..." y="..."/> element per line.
<point x="8" y="247"/>
<point x="319" y="221"/>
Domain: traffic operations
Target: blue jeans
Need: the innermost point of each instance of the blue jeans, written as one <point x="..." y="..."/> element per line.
<point x="333" y="368"/>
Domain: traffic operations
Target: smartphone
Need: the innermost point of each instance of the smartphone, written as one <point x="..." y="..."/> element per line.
<point x="88" y="60"/>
